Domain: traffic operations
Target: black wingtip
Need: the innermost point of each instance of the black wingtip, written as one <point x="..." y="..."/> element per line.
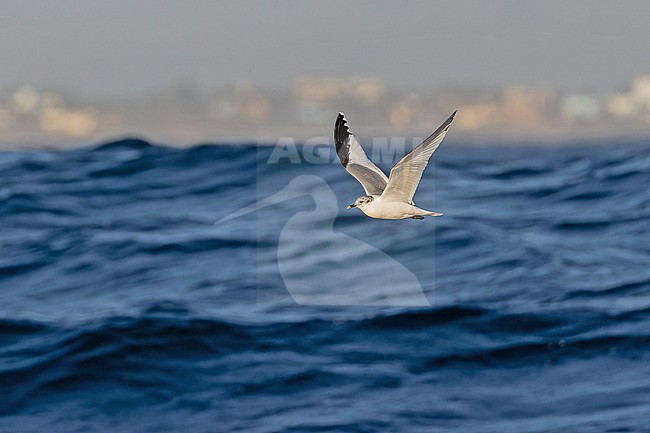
<point x="451" y="118"/>
<point x="341" y="131"/>
<point x="341" y="135"/>
<point x="442" y="128"/>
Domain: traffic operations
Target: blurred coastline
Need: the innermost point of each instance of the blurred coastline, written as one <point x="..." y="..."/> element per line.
<point x="186" y="114"/>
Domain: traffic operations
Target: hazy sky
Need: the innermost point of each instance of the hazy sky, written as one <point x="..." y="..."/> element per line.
<point x="126" y="47"/>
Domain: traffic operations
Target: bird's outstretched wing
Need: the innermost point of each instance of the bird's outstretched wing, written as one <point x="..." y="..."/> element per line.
<point x="355" y="161"/>
<point x="405" y="176"/>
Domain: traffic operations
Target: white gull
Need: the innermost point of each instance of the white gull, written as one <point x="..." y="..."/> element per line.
<point x="387" y="197"/>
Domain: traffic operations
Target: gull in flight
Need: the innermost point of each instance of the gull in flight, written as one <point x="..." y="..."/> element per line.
<point x="390" y="197"/>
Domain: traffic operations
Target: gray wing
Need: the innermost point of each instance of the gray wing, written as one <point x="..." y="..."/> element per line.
<point x="407" y="173"/>
<point x="355" y="161"/>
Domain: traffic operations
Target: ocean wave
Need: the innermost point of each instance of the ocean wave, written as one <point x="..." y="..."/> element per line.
<point x="124" y="307"/>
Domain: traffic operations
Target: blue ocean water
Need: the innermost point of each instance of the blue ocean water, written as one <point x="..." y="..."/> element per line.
<point x="124" y="308"/>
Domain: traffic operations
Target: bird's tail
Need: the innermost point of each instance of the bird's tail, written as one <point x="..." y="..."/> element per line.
<point x="433" y="214"/>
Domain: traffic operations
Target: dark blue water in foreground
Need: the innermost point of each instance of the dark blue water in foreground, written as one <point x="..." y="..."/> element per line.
<point x="124" y="308"/>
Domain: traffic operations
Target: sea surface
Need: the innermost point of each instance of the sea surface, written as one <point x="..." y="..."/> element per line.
<point x="125" y="308"/>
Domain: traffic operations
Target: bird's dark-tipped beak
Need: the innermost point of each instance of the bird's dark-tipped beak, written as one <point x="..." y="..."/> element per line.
<point x="351" y="206"/>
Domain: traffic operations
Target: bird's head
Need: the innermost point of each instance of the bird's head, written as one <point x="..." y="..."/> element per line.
<point x="362" y="202"/>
